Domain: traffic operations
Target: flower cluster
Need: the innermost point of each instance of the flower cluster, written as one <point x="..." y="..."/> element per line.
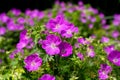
<point x="62" y="26"/>
<point x="53" y="45"/>
<point x="66" y="42"/>
<point x="104" y="71"/>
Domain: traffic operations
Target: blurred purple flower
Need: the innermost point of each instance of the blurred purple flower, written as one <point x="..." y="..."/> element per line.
<point x="109" y="49"/>
<point x="68" y="32"/>
<point x="114" y="57"/>
<point x="33" y="62"/>
<point x="92" y="19"/>
<point x="104" y="39"/>
<point x="105" y="27"/>
<point x="90" y="26"/>
<point x="82" y="41"/>
<point x="25" y="41"/>
<point x="57" y="24"/>
<point x="4" y="18"/>
<point x="104" y="71"/>
<point x="80" y="56"/>
<point x="2" y="30"/>
<point x="65" y="49"/>
<point x="1" y="61"/>
<point x="50" y="44"/>
<point x="30" y="22"/>
<point x="11" y="26"/>
<point x="12" y="55"/>
<point x="101" y="15"/>
<point x="47" y="77"/>
<point x="16" y="12"/>
<point x="90" y="51"/>
<point x="115" y="34"/>
<point x="21" y="20"/>
<point x="2" y="50"/>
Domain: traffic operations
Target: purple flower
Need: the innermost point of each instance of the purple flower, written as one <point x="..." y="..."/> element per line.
<point x="0" y="61"/>
<point x="34" y="13"/>
<point x="105" y="27"/>
<point x="69" y="30"/>
<point x="30" y="22"/>
<point x="50" y="44"/>
<point x="104" y="39"/>
<point x="116" y="22"/>
<point x="25" y="41"/>
<point x="80" y="55"/>
<point x="62" y="26"/>
<point x="16" y="12"/>
<point x="28" y="12"/>
<point x="21" y="20"/>
<point x="92" y="19"/>
<point x="101" y="15"/>
<point x="2" y="30"/>
<point x="90" y="26"/>
<point x="2" y="50"/>
<point x="114" y="57"/>
<point x="65" y="49"/>
<point x="11" y="26"/>
<point x="41" y="15"/>
<point x="115" y="34"/>
<point x="47" y="77"/>
<point x="109" y="49"/>
<point x="81" y="40"/>
<point x="12" y="55"/>
<point x="77" y="45"/>
<point x="104" y="71"/>
<point x="103" y="22"/>
<point x="80" y="3"/>
<point x="90" y="51"/>
<point x="83" y="20"/>
<point x="4" y="18"/>
<point x="33" y="62"/>
<point x="57" y="24"/>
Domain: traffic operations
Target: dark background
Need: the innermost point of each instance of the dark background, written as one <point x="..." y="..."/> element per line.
<point x="108" y="7"/>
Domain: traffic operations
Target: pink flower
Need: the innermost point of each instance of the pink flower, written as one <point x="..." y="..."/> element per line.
<point x="33" y="62"/>
<point x="50" y="44"/>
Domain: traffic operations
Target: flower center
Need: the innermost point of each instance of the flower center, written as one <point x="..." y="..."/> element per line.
<point x="33" y="63"/>
<point x="57" y="26"/>
<point x="53" y="46"/>
<point x="69" y="31"/>
<point x="115" y="60"/>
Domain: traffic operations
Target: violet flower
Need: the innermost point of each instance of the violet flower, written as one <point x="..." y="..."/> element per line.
<point x="104" y="39"/>
<point x="21" y="20"/>
<point x="114" y="57"/>
<point x="115" y="34"/>
<point x="104" y="71"/>
<point x="47" y="77"/>
<point x="33" y="62"/>
<point x="65" y="49"/>
<point x="50" y="44"/>
<point x="109" y="49"/>
<point x="4" y="18"/>
<point x="2" y="30"/>
<point x="80" y="56"/>
<point x="90" y="51"/>
<point x="16" y="12"/>
<point x="57" y="24"/>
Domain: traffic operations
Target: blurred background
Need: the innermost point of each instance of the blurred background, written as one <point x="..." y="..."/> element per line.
<point x="108" y="7"/>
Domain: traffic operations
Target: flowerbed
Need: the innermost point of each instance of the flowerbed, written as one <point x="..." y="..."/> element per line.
<point x="67" y="42"/>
